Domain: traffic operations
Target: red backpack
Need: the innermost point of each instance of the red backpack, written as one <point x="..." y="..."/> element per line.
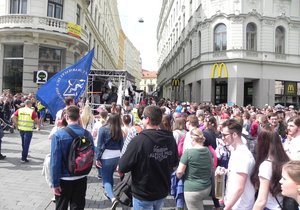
<point x="81" y="154"/>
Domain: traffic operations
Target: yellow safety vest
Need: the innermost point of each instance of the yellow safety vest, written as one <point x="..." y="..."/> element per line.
<point x="25" y="122"/>
<point x="40" y="106"/>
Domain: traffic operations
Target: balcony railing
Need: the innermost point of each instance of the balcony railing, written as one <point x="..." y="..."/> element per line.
<point x="39" y="23"/>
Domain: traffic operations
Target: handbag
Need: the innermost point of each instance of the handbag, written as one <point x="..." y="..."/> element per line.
<point x="122" y="190"/>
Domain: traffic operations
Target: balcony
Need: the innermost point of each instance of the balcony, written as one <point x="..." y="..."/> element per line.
<point x="38" y="23"/>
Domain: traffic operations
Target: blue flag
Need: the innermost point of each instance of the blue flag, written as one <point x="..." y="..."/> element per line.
<point x="67" y="82"/>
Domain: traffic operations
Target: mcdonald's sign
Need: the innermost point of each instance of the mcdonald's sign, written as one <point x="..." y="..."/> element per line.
<point x="175" y="82"/>
<point x="290" y="88"/>
<point x="219" y="67"/>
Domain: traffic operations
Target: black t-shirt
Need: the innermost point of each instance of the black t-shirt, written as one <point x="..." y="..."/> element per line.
<point x="151" y="157"/>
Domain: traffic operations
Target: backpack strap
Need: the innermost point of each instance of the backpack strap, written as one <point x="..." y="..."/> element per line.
<point x="280" y="205"/>
<point x="73" y="134"/>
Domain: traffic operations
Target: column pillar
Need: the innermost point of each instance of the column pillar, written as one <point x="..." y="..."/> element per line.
<point x="206" y="90"/>
<point x="263" y="92"/>
<point x="235" y="91"/>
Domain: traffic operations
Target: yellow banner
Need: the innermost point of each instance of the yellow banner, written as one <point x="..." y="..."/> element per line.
<point x="74" y="29"/>
<point x="219" y="67"/>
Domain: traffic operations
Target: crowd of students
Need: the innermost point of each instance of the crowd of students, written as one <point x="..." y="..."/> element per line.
<point x="252" y="148"/>
<point x="257" y="151"/>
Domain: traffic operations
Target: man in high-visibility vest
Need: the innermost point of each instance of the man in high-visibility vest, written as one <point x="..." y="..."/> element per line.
<point x="24" y="118"/>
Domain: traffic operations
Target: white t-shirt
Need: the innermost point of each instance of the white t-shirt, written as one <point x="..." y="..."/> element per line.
<point x="294" y="149"/>
<point x="95" y="130"/>
<point x="187" y="144"/>
<point x="241" y="161"/>
<point x="265" y="171"/>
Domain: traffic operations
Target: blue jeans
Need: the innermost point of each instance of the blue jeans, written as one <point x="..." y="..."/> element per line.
<point x="26" y="139"/>
<point x="147" y="205"/>
<point x="108" y="168"/>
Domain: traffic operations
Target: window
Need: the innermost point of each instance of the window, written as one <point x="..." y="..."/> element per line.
<point x="50" y="59"/>
<point x="199" y="40"/>
<point x="13" y="68"/>
<point x="220" y="38"/>
<point x="18" y="6"/>
<point x="55" y="8"/>
<point x="279" y="40"/>
<point x="251" y="36"/>
<point x="78" y="11"/>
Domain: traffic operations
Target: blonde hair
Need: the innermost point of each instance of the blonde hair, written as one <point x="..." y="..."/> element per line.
<point x="197" y="135"/>
<point x="86" y="115"/>
<point x="293" y="170"/>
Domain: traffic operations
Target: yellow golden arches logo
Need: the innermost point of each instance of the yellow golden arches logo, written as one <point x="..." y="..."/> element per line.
<point x="291" y="89"/>
<point x="175" y="82"/>
<point x="219" y="68"/>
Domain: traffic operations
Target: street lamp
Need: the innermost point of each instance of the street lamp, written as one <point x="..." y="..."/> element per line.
<point x="141" y="20"/>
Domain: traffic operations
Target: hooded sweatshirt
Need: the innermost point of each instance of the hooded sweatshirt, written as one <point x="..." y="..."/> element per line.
<point x="151" y="157"/>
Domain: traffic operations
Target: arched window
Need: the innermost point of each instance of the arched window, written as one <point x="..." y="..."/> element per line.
<point x="251" y="36"/>
<point x="279" y="40"/>
<point x="220" y="38"/>
<point x="191" y="49"/>
<point x="199" y="42"/>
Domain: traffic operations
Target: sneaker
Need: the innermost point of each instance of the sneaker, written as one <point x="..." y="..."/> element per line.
<point x="53" y="199"/>
<point x="2" y="157"/>
<point x="25" y="161"/>
<point x="115" y="203"/>
<point x="99" y="177"/>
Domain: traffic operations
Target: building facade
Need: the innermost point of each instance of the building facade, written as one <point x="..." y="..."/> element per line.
<point x="53" y="34"/>
<point x="230" y="51"/>
<point x="148" y="82"/>
<point x="132" y="61"/>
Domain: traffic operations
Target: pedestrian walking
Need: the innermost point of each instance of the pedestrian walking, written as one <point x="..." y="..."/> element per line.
<point x="69" y="189"/>
<point x="109" y="146"/>
<point x="24" y="118"/>
<point x="151" y="157"/>
<point x="265" y="177"/>
<point x="239" y="189"/>
<point x="2" y="157"/>
<point x="196" y="166"/>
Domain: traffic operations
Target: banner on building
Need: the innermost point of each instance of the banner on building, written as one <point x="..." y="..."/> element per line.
<point x="74" y="29"/>
<point x="290" y="88"/>
<point x="67" y="82"/>
<point x="220" y="68"/>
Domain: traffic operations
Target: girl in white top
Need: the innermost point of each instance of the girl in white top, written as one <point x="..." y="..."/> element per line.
<point x="270" y="157"/>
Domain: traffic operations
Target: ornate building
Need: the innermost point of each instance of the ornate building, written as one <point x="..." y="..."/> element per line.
<point x="230" y="51"/>
<point x="149" y="82"/>
<point x="53" y="34"/>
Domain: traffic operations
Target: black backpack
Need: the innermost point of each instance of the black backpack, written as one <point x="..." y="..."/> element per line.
<point x="81" y="154"/>
<point x="122" y="190"/>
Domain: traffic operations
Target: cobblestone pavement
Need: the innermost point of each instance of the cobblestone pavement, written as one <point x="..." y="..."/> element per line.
<point x="23" y="187"/>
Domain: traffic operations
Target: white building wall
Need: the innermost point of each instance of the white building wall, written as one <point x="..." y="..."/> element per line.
<point x="263" y="63"/>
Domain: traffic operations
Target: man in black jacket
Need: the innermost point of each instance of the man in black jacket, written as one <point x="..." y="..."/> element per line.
<point x="151" y="157"/>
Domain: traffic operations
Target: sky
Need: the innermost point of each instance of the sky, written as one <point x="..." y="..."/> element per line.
<point x="142" y="35"/>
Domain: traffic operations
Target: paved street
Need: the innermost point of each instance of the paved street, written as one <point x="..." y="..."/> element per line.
<point x="23" y="187"/>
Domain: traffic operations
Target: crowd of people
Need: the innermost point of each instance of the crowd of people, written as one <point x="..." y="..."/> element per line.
<point x="22" y="112"/>
<point x="180" y="148"/>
